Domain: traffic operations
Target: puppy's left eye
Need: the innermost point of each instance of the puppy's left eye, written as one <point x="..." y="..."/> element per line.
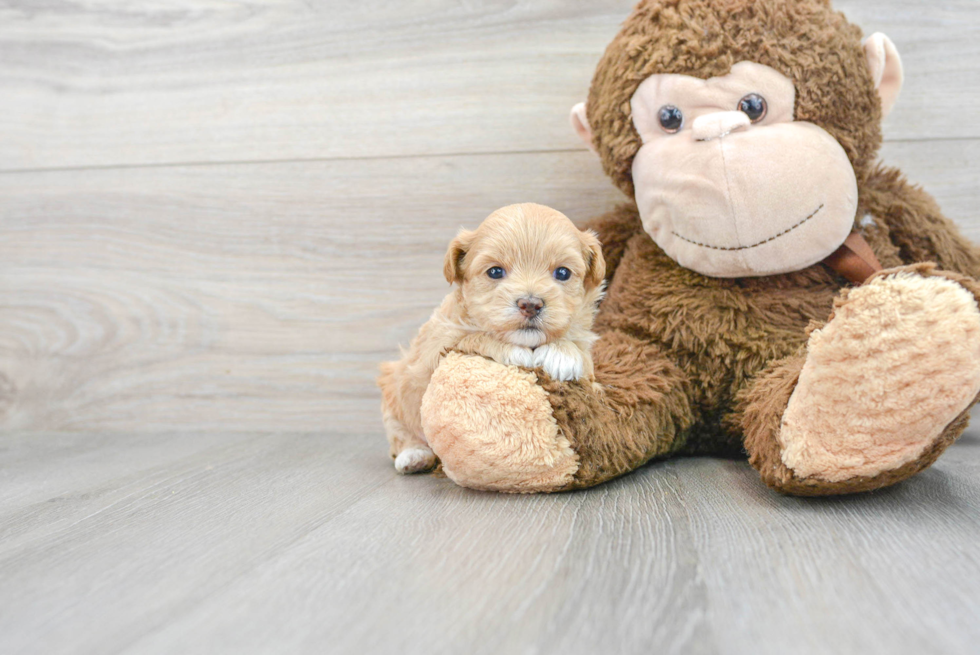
<point x="562" y="274"/>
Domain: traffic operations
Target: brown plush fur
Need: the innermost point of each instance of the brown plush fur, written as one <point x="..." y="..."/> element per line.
<point x="642" y="410"/>
<point x="804" y="40"/>
<point x="720" y="335"/>
<point x="912" y="228"/>
<point x="694" y="365"/>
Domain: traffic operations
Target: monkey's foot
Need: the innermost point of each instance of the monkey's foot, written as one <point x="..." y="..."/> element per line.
<point x="492" y="428"/>
<point x="885" y="385"/>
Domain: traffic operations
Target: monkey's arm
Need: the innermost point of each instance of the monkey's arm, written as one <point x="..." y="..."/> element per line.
<point x="615" y="229"/>
<point x="639" y="410"/>
<point x="916" y="225"/>
<point x="506" y="429"/>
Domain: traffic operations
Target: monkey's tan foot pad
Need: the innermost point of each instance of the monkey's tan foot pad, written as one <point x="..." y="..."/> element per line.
<point x="897" y="363"/>
<point x="492" y="427"/>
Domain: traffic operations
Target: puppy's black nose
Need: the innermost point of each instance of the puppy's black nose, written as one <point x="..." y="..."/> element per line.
<point x="530" y="306"/>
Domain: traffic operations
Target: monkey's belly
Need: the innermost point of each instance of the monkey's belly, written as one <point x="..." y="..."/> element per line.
<point x="720" y="332"/>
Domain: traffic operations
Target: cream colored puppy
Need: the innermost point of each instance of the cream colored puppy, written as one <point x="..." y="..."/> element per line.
<point x="526" y="286"/>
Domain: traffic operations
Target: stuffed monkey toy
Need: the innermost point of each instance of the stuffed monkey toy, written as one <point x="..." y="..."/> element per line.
<point x="772" y="289"/>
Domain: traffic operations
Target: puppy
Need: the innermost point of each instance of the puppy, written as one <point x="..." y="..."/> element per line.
<point x="527" y="283"/>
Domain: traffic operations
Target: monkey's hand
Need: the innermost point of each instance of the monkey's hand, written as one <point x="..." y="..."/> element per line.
<point x="492" y="427"/>
<point x="504" y="428"/>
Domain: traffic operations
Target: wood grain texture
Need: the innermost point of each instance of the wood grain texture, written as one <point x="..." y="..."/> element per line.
<point x="115" y="83"/>
<point x="297" y="543"/>
<point x="145" y="525"/>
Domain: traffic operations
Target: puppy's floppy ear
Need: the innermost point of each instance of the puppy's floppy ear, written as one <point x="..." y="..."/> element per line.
<point x="595" y="271"/>
<point x="453" y="267"/>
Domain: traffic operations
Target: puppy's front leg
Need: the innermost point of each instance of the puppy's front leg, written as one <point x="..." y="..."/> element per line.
<point x="412" y="454"/>
<point x="562" y="360"/>
<point x="504" y="353"/>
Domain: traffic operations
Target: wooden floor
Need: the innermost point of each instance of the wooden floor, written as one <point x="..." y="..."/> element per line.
<point x="216" y="218"/>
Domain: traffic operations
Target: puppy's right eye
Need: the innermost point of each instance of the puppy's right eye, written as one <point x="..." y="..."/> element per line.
<point x="495" y="273"/>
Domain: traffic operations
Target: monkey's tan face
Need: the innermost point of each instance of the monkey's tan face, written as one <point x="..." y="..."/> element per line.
<point x="728" y="184"/>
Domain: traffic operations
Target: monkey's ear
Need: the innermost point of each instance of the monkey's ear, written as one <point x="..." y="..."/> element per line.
<point x="886" y="69"/>
<point x="581" y="124"/>
<point x="595" y="271"/>
<point x="453" y="266"/>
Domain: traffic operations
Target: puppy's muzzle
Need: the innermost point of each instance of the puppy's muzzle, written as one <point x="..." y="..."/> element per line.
<point x="530" y="306"/>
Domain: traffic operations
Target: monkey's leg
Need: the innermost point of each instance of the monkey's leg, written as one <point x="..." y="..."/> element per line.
<point x="877" y="394"/>
<point x="507" y="429"/>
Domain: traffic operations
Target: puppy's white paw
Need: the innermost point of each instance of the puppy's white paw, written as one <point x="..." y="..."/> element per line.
<point x="520" y="356"/>
<point x="416" y="459"/>
<point x="559" y="364"/>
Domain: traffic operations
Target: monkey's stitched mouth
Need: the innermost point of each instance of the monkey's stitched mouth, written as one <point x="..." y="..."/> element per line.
<point x="754" y="245"/>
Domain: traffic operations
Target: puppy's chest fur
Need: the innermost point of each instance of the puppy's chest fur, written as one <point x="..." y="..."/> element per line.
<point x="721" y="332"/>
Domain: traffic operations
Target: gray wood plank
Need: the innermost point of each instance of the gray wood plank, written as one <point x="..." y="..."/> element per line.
<point x="889" y="572"/>
<point x="294" y="543"/>
<point x="90" y="467"/>
<point x="133" y="84"/>
<point x="121" y="83"/>
<point x="102" y="562"/>
<point x="941" y="57"/>
<point x="470" y="572"/>
<point x="261" y="297"/>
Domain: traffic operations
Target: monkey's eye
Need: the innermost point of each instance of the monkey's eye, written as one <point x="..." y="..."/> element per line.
<point x="495" y="272"/>
<point x="562" y="274"/>
<point x="754" y="106"/>
<point x="671" y="119"/>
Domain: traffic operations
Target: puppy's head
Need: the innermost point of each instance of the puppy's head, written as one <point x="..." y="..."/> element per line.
<point x="527" y="273"/>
